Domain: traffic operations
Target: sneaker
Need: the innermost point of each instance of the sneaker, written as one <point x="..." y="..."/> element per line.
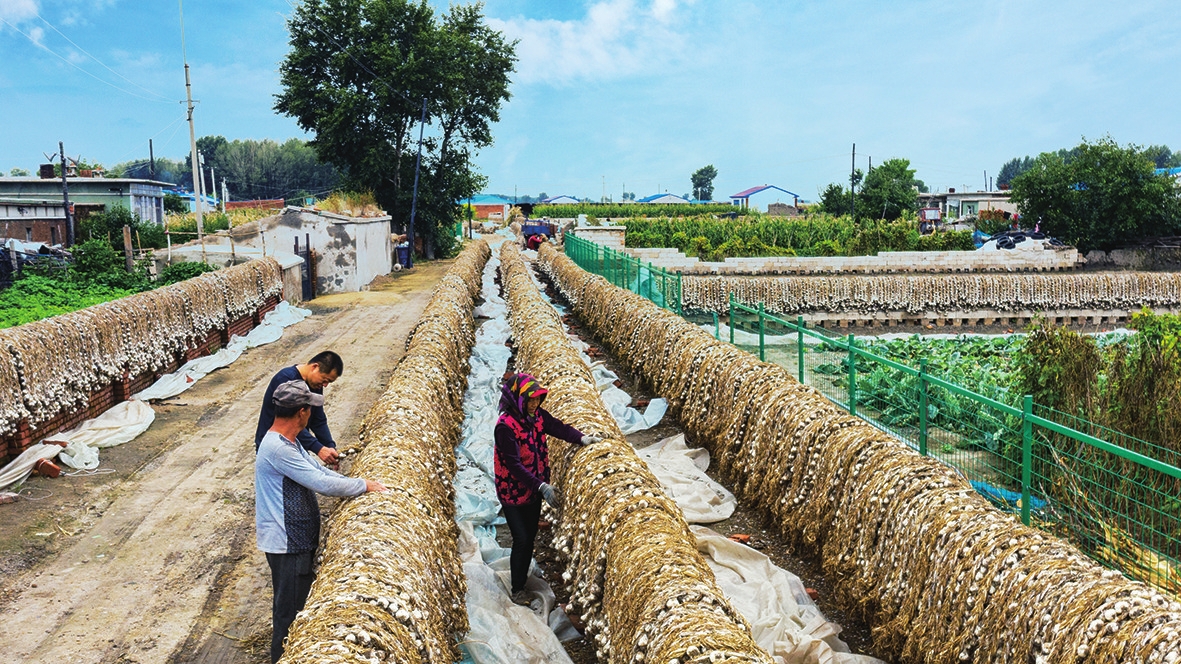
<point x="522" y="597"/>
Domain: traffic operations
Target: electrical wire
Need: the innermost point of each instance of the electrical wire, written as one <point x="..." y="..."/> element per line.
<point x="92" y="57"/>
<point x="75" y="66"/>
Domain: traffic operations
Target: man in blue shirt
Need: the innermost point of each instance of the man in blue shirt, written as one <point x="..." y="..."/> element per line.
<point x="286" y="514"/>
<point x="320" y="371"/>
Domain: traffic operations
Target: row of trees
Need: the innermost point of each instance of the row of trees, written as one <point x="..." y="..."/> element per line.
<point x="1160" y="155"/>
<point x="251" y="169"/>
<point x="362" y="74"/>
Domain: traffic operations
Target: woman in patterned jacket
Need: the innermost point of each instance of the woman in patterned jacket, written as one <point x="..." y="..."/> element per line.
<point x="522" y="467"/>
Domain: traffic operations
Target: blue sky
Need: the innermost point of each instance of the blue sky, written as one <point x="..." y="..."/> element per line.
<point x="639" y="93"/>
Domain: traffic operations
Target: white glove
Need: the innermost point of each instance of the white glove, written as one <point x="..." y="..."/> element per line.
<point x="550" y="494"/>
<point x="591" y="440"/>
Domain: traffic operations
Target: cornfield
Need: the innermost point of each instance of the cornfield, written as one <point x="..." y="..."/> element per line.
<point x="937" y="572"/>
<point x="391" y="584"/>
<point x="633" y="570"/>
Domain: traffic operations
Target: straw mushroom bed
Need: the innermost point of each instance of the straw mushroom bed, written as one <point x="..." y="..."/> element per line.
<point x="936" y="293"/>
<point x="633" y="570"/>
<point x="57" y="362"/>
<point x="937" y="572"/>
<point x="390" y="586"/>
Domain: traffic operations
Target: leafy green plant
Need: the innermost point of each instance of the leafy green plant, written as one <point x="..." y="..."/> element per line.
<point x="183" y="270"/>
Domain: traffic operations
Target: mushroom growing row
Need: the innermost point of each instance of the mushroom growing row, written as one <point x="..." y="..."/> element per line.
<point x="937" y="572"/>
<point x="916" y="294"/>
<point x="390" y="587"/>
<point x="634" y="573"/>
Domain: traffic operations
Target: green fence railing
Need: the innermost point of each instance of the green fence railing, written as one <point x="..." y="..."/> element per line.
<point x="657" y="284"/>
<point x="1118" y="498"/>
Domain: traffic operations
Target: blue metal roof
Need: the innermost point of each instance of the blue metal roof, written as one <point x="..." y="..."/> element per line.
<point x="653" y="197"/>
<point x="486" y="199"/>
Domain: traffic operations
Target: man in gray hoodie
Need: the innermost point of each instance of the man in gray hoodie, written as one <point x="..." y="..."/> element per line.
<point x="286" y="515"/>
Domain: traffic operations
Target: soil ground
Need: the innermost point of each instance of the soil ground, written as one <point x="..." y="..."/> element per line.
<point x="155" y="560"/>
<point x="745" y="520"/>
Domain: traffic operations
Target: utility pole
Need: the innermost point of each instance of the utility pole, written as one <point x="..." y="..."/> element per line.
<point x="853" y="185"/>
<point x="151" y="161"/>
<point x="414" y="197"/>
<point x="66" y="197"/>
<point x="225" y="195"/>
<point x="192" y="135"/>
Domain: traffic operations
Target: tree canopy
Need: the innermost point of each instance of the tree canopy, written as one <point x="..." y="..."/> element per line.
<point x="886" y="192"/>
<point x="702" y="180"/>
<point x="357" y="75"/>
<point x="1101" y="197"/>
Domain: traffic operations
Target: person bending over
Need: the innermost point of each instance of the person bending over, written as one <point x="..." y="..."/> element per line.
<point x="321" y="371"/>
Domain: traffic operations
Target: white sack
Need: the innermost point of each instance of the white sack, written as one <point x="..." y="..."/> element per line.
<point x="784" y="621"/>
<point x="681" y="471"/>
<point x="121" y="424"/>
<point x="21" y="467"/>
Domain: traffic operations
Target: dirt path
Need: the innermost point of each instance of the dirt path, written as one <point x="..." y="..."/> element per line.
<point x="155" y="562"/>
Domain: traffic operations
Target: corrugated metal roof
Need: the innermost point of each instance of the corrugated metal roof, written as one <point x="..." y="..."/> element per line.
<point x="486" y="199"/>
<point x="754" y="190"/>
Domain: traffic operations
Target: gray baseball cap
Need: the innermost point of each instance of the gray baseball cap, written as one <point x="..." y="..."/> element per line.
<point x="295" y="394"/>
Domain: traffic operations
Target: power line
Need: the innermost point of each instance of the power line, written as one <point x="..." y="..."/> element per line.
<point x="92" y="57"/>
<point x="67" y="61"/>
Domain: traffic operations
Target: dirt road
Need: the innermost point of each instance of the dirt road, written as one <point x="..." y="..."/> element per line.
<point x="155" y="561"/>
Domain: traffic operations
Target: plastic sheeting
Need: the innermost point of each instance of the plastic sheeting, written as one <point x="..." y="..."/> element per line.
<point x="19" y="469"/>
<point x="121" y="424"/>
<point x="501" y="631"/>
<point x="744" y="338"/>
<point x="784" y="620"/>
<point x="681" y="471"/>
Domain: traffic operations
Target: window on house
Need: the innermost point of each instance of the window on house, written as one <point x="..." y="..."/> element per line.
<point x="28" y="233"/>
<point x="53" y="235"/>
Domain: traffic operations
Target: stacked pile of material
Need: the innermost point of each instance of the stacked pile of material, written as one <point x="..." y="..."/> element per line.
<point x="937" y="293"/>
<point x="59" y="361"/>
<point x="633" y="570"/>
<point x="391" y="585"/>
<point x="938" y="574"/>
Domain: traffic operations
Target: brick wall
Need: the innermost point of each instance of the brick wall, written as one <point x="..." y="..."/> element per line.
<point x="106" y="397"/>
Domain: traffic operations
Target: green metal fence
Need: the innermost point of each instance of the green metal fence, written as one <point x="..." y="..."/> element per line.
<point x="658" y="285"/>
<point x="1117" y="497"/>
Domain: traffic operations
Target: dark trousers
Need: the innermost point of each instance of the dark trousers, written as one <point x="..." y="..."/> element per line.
<point x="522" y="523"/>
<point x="291" y="577"/>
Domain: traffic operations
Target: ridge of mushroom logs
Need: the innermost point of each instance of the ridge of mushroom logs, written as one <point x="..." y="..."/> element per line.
<point x="636" y="578"/>
<point x="391" y="584"/>
<point x="936" y="293"/>
<point x="937" y="572"/>
<point x="52" y="365"/>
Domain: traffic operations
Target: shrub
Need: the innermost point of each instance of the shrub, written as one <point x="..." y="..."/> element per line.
<point x="183" y="270"/>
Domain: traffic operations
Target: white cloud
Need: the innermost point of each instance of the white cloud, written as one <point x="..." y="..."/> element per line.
<point x="15" y="11"/>
<point x="616" y="38"/>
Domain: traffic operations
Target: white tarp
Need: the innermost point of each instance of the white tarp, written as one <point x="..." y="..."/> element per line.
<point x="121" y="424"/>
<point x="21" y="467"/>
<point x="681" y="471"/>
<point x="784" y="620"/>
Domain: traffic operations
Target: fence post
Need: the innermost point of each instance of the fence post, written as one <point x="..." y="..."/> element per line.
<point x="680" y="293"/>
<point x="923" y="406"/>
<point x="731" y="295"/>
<point x="852" y="375"/>
<point x="762" y="324"/>
<point x="717" y="328"/>
<point x="800" y="346"/>
<point x="648" y="288"/>
<point x="1026" y="456"/>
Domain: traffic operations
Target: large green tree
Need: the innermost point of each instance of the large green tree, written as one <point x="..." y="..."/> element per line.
<point x="890" y="190"/>
<point x="357" y="76"/>
<point x="1099" y="195"/>
<point x="702" y="180"/>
